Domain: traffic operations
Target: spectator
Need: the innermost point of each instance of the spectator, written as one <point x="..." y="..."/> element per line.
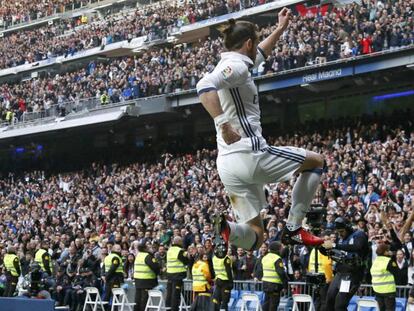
<point x="401" y="276"/>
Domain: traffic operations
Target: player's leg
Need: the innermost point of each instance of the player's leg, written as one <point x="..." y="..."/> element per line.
<point x="247" y="231"/>
<point x="247" y="198"/>
<point x="302" y="196"/>
<point x="280" y="164"/>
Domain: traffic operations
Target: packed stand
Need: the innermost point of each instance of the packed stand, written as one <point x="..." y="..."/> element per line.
<point x="316" y="35"/>
<point x="21" y="11"/>
<point x="67" y="37"/>
<point x="166" y="70"/>
<point x="79" y="217"/>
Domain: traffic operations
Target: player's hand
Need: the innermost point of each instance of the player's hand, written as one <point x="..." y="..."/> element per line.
<point x="411" y="300"/>
<point x="284" y="17"/>
<point x="229" y="134"/>
<point x="327" y="244"/>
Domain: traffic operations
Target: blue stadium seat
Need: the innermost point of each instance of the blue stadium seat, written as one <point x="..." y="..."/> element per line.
<point x="244" y="291"/>
<point x="252" y="305"/>
<point x="370" y="298"/>
<point x="238" y="305"/>
<point x="234" y="294"/>
<point x="400" y="304"/>
<point x="260" y="294"/>
<point x="231" y="303"/>
<point x="352" y="306"/>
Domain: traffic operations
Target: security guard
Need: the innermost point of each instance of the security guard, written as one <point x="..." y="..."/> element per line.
<point x="222" y="270"/>
<point x="114" y="271"/>
<point x="146" y="269"/>
<point x="42" y="257"/>
<point x="201" y="282"/>
<point x="350" y="255"/>
<point x="177" y="261"/>
<point x="382" y="271"/>
<point x="320" y="266"/>
<point x="274" y="276"/>
<point x="13" y="271"/>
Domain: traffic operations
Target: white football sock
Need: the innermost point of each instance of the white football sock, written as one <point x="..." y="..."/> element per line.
<point x="242" y="235"/>
<point x="302" y="195"/>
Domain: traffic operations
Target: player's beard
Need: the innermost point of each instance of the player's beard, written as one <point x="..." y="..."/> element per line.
<point x="252" y="53"/>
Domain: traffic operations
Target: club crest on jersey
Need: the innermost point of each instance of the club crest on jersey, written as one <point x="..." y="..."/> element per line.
<point x="226" y="72"/>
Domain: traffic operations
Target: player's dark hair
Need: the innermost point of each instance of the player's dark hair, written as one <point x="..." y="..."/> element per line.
<point x="236" y="33"/>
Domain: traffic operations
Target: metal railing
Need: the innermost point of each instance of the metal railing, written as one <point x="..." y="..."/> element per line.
<point x="293" y="288"/>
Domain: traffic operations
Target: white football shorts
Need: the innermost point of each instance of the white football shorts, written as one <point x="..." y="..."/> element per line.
<point x="244" y="175"/>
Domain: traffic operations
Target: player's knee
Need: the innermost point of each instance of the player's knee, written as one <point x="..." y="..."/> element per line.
<point x="320" y="160"/>
<point x="313" y="161"/>
<point x="259" y="237"/>
<point x="316" y="160"/>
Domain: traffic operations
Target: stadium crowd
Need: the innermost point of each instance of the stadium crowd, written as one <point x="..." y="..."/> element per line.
<point x="311" y="39"/>
<point x="21" y="11"/>
<point x="81" y="215"/>
<point x="322" y="34"/>
<point x="67" y="37"/>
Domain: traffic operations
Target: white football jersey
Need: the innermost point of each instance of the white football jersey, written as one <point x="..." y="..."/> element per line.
<point x="239" y="99"/>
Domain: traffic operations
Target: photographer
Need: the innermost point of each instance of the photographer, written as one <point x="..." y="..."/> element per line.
<point x="350" y="253"/>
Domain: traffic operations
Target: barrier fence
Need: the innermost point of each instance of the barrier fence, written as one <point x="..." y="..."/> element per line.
<point x="293" y="288"/>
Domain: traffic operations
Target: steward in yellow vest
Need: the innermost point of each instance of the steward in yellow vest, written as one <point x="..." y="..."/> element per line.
<point x="42" y="257"/>
<point x="382" y="273"/>
<point x="201" y="283"/>
<point x="201" y="275"/>
<point x="177" y="262"/>
<point x="114" y="271"/>
<point x="324" y="271"/>
<point x="324" y="265"/>
<point x="274" y="276"/>
<point x="146" y="270"/>
<point x="223" y="277"/>
<point x="13" y="271"/>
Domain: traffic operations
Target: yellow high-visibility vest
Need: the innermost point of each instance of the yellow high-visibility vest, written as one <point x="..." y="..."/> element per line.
<point x="9" y="264"/>
<point x="220" y="268"/>
<point x="108" y="263"/>
<point x="382" y="280"/>
<point x="141" y="269"/>
<point x="324" y="265"/>
<point x="269" y="272"/>
<point x="200" y="282"/>
<point x="174" y="265"/>
<point x="39" y="258"/>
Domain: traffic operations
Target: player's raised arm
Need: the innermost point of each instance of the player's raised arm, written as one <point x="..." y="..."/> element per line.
<point x="267" y="45"/>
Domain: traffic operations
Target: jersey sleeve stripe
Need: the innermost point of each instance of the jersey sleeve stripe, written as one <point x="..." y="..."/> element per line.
<point x="207" y="89"/>
<point x="261" y="52"/>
